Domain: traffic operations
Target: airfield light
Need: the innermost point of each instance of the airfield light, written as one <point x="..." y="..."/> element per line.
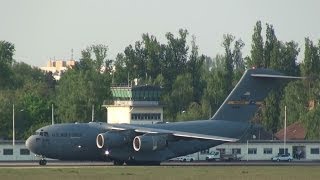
<point x="106" y="152"/>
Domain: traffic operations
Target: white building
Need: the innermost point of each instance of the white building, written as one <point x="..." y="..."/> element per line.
<point x="254" y="150"/>
<point x="265" y="149"/>
<point x="10" y="152"/>
<point x="57" y="67"/>
<point x="135" y="105"/>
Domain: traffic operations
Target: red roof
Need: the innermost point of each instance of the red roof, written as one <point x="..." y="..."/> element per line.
<point x="295" y="131"/>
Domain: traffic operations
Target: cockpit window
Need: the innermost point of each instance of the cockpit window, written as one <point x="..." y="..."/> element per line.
<point x="46" y="134"/>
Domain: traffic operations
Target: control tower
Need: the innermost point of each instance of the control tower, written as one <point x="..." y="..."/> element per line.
<point x="135" y="105"/>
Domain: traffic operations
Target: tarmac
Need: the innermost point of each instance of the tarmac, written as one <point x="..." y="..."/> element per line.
<point x="56" y="163"/>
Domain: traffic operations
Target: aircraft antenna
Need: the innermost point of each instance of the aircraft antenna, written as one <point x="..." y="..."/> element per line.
<point x="72" y="54"/>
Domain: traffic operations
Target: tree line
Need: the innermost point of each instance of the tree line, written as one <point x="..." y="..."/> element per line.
<point x="194" y="84"/>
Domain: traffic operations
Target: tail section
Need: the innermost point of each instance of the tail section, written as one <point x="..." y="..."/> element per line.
<point x="247" y="96"/>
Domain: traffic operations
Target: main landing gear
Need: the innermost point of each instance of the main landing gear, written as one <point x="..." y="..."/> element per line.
<point x="136" y="163"/>
<point x="42" y="162"/>
<point x="118" y="163"/>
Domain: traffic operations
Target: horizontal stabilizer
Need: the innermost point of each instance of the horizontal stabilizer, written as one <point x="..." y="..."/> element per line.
<point x="276" y="76"/>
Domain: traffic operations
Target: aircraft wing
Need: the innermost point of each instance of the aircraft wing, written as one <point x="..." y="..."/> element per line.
<point x="146" y="130"/>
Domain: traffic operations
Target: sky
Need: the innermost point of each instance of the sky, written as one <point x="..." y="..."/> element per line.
<point x="43" y="29"/>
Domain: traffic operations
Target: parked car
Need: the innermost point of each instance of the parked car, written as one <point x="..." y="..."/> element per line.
<point x="185" y="158"/>
<point x="217" y="156"/>
<point x="282" y="157"/>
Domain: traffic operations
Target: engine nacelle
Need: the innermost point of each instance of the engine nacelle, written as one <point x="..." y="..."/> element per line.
<point x="113" y="139"/>
<point x="150" y="142"/>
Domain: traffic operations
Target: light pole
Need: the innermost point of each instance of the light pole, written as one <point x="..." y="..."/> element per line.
<point x="285" y="130"/>
<point x="92" y="113"/>
<point x="13" y="133"/>
<point x="52" y="115"/>
<point x="13" y="125"/>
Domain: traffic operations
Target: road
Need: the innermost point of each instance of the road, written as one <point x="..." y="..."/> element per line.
<point x="172" y="163"/>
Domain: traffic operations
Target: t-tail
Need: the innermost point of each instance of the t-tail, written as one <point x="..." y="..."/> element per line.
<point x="248" y="95"/>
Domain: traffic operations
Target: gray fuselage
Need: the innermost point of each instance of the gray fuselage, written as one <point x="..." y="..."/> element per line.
<point x="78" y="141"/>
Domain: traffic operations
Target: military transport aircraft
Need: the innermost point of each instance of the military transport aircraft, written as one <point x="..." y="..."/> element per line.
<point x="153" y="143"/>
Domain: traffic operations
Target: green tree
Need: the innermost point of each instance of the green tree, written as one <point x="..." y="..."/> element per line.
<point x="296" y="99"/>
<point x="193" y="112"/>
<point x="33" y="107"/>
<point x="23" y="73"/>
<point x="228" y="66"/>
<point x="180" y="97"/>
<point x="270" y="112"/>
<point x="94" y="58"/>
<point x="311" y="63"/>
<point x="6" y="60"/>
<point x="291" y="52"/>
<point x="194" y="67"/>
<point x="284" y="57"/>
<point x="71" y="97"/>
<point x="120" y="73"/>
<point x="257" y="50"/>
<point x="6" y="102"/>
<point x="154" y="55"/>
<point x="216" y="89"/>
<point x="312" y="123"/>
<point x="84" y="86"/>
<point x="31" y="92"/>
<point x="271" y="41"/>
<point x="100" y="53"/>
<point x="175" y="58"/>
<point x="238" y="61"/>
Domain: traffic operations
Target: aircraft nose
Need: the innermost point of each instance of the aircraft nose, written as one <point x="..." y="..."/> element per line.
<point x="31" y="144"/>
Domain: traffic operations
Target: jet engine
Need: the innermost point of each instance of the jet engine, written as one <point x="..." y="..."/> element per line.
<point x="113" y="139"/>
<point x="150" y="142"/>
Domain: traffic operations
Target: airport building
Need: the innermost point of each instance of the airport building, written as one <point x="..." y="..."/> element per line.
<point x="266" y="149"/>
<point x="58" y="67"/>
<point x="16" y="152"/>
<point x="135" y="105"/>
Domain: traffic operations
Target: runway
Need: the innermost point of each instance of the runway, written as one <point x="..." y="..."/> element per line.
<point x="56" y="163"/>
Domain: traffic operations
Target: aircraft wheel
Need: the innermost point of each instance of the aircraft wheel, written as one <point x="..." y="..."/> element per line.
<point x="191" y="160"/>
<point x="118" y="163"/>
<point x="43" y="162"/>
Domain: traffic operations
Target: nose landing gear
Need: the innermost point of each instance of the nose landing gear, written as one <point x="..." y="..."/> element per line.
<point x="43" y="162"/>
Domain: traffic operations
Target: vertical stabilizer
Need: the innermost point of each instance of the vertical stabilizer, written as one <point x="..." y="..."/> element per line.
<point x="248" y="95"/>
